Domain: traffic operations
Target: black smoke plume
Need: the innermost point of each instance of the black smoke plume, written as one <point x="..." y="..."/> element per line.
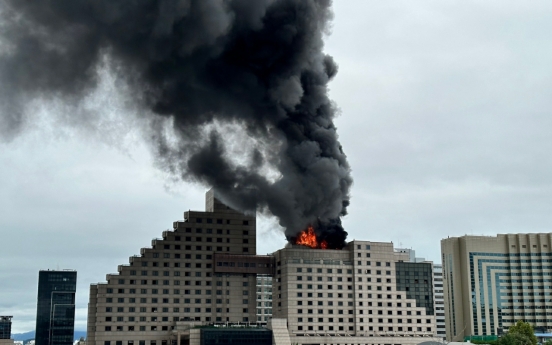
<point x="258" y="64"/>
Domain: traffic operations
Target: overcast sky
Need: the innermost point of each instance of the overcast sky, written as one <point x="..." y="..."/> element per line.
<point x="444" y="117"/>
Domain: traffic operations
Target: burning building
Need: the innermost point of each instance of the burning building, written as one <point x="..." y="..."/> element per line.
<point x="205" y="272"/>
<point x="362" y="294"/>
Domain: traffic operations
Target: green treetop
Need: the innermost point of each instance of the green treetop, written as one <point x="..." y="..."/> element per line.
<point x="521" y="333"/>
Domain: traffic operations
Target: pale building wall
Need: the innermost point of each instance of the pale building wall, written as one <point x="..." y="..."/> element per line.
<point x="280" y="333"/>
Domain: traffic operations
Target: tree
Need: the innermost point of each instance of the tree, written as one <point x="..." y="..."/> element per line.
<point x="514" y="339"/>
<point x="522" y="333"/>
<point x="548" y="342"/>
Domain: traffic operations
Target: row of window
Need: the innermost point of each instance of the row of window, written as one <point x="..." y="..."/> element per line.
<point x="269" y="297"/>
<point x="266" y="289"/>
<point x="534" y="246"/>
<point x="526" y="300"/>
<point x="186" y="282"/>
<point x="163" y="310"/>
<point x="330" y="295"/>
<point x="370" y="328"/>
<point x="328" y="270"/>
<point x="186" y="292"/>
<point x="166" y="318"/>
<point x="157" y="328"/>
<point x="359" y="247"/>
<point x="266" y="311"/>
<point x="349" y="279"/>
<point x="525" y="307"/>
<point x="240" y="264"/>
<point x="199" y="239"/>
<point x="159" y="282"/>
<point x="164" y="273"/>
<point x="266" y="281"/>
<point x="359" y="271"/>
<point x="351" y="311"/>
<point x="166" y="300"/>
<point x="219" y="221"/>
<point x="132" y="342"/>
<point x="341" y="287"/>
<point x="527" y="314"/>
<point x="369" y="320"/>
<point x="165" y="264"/>
<point x="166" y="282"/>
<point x="350" y="304"/>
<point x="526" y="294"/>
<point x="525" y="280"/>
<point x="266" y="304"/>
<point x="188" y="256"/>
<point x="525" y="287"/>
<point x="341" y="295"/>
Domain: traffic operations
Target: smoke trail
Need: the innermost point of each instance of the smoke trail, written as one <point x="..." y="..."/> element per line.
<point x="258" y="64"/>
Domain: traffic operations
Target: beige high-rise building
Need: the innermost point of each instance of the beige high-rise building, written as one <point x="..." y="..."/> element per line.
<point x="491" y="282"/>
<point x="184" y="276"/>
<point x="364" y="294"/>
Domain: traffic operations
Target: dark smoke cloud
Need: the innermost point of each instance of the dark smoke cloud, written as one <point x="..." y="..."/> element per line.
<point x="257" y="64"/>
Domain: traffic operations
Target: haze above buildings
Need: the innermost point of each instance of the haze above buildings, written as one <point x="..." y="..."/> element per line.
<point x="444" y="120"/>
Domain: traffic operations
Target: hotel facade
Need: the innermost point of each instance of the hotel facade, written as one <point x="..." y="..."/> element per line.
<point x="365" y="293"/>
<point x="491" y="282"/>
<point x="183" y="279"/>
<point x="202" y="283"/>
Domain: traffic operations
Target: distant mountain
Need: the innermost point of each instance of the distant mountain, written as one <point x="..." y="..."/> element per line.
<point x="31" y="335"/>
<point x="23" y="336"/>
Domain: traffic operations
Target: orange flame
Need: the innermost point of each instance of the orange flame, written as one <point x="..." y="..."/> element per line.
<point x="308" y="238"/>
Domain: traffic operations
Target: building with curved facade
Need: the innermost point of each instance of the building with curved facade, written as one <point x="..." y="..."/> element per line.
<point x="490" y="282"/>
